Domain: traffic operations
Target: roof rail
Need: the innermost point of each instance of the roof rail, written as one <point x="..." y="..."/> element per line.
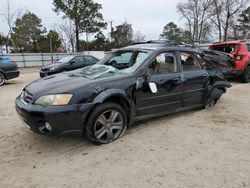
<point x="167" y="42"/>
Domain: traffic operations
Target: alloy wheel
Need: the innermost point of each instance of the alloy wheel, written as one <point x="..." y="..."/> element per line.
<point x="2" y="79"/>
<point x="108" y="126"/>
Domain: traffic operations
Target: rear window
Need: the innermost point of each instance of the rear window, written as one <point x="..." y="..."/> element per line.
<point x="226" y="48"/>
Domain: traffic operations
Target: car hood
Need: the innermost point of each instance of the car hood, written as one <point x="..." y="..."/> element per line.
<point x="59" y="83"/>
<point x="52" y="65"/>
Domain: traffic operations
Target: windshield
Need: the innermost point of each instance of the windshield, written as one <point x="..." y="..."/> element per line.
<point x="115" y="63"/>
<point x="65" y="59"/>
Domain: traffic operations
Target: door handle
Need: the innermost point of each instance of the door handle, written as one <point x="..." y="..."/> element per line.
<point x="176" y="80"/>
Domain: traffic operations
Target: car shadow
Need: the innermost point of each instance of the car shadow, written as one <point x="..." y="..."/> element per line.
<point x="13" y="82"/>
<point x="72" y="142"/>
<point x="137" y="126"/>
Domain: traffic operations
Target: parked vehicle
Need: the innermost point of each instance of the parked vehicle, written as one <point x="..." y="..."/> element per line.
<point x="68" y="63"/>
<point x="8" y="71"/>
<point x="240" y="51"/>
<point x="220" y="61"/>
<point x="6" y="60"/>
<point x="134" y="83"/>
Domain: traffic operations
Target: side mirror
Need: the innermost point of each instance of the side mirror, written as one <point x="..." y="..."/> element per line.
<point x="153" y="87"/>
<point x="72" y="62"/>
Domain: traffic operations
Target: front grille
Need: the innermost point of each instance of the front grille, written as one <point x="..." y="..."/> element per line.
<point x="26" y="97"/>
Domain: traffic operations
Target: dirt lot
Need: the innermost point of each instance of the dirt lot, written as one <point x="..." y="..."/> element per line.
<point x="201" y="148"/>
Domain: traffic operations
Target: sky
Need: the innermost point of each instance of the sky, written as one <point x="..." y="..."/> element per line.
<point x="147" y="16"/>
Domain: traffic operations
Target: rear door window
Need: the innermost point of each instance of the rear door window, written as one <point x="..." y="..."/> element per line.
<point x="89" y="59"/>
<point x="189" y="62"/>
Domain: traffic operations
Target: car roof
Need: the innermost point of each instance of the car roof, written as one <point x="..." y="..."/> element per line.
<point x="229" y="43"/>
<point x="162" y="45"/>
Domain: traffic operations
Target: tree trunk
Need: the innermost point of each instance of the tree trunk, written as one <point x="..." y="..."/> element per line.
<point x="220" y="33"/>
<point x="218" y="19"/>
<point x="226" y="28"/>
<point x="77" y="39"/>
<point x="87" y="41"/>
<point x="7" y="45"/>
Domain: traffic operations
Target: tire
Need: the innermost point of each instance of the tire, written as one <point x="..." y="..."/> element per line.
<point x="213" y="98"/>
<point x="2" y="79"/>
<point x="245" y="77"/>
<point x="107" y="123"/>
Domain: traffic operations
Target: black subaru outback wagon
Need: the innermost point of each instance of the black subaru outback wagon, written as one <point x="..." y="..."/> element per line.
<point x="133" y="83"/>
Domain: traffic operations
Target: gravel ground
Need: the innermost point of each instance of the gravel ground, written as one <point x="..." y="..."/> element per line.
<point x="200" y="148"/>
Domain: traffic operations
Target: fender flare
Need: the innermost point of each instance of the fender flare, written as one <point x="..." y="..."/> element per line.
<point x="1" y="71"/>
<point x="102" y="96"/>
<point x="221" y="84"/>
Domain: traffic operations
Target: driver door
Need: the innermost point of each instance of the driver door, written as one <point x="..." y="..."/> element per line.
<point x="164" y="71"/>
<point x="76" y="63"/>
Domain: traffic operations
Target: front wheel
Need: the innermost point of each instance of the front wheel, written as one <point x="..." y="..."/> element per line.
<point x="2" y="79"/>
<point x="245" y="77"/>
<point x="106" y="123"/>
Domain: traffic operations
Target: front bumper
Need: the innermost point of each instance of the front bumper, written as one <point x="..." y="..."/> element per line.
<point x="47" y="73"/>
<point x="12" y="74"/>
<point x="63" y="119"/>
<point x="43" y="74"/>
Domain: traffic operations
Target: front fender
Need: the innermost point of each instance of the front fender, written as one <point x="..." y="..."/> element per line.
<point x="102" y="96"/>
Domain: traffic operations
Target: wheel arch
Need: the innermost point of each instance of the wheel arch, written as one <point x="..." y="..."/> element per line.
<point x="1" y="71"/>
<point x="116" y="96"/>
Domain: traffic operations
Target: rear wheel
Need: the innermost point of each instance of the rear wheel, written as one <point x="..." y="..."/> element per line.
<point x="106" y="123"/>
<point x="213" y="98"/>
<point x="245" y="77"/>
<point x="210" y="104"/>
<point x="2" y="79"/>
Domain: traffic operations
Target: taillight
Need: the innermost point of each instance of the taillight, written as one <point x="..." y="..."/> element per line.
<point x="239" y="57"/>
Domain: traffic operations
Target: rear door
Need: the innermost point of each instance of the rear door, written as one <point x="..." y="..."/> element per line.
<point x="195" y="79"/>
<point x="165" y="73"/>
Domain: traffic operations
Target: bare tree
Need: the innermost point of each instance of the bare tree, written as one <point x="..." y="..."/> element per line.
<point x="9" y="15"/>
<point x="197" y="14"/>
<point x="67" y="34"/>
<point x="216" y="16"/>
<point x="231" y="8"/>
<point x="138" y="37"/>
<point x="223" y="15"/>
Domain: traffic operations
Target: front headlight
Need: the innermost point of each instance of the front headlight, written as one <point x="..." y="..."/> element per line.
<point x="53" y="68"/>
<point x="54" y="100"/>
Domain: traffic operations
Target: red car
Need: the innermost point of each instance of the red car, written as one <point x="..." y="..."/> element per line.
<point x="240" y="51"/>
